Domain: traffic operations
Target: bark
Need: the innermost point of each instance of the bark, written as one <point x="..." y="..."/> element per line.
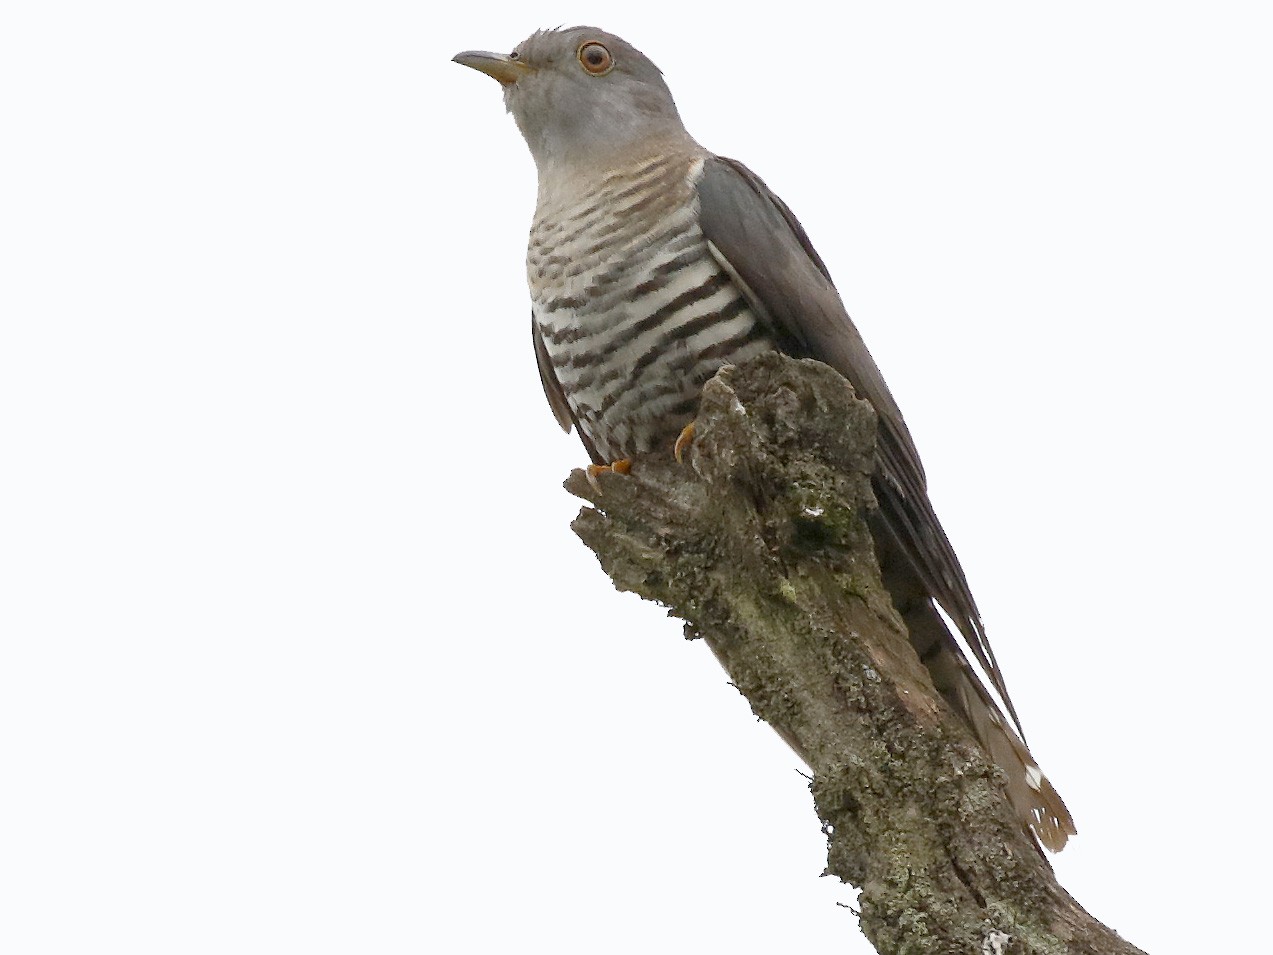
<point x="759" y="542"/>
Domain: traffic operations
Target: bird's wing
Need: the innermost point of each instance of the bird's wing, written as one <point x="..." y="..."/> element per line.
<point x="764" y="248"/>
<point x="553" y="392"/>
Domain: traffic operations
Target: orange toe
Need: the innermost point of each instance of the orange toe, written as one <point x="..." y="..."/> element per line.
<point x="683" y="441"/>
<point x="622" y="466"/>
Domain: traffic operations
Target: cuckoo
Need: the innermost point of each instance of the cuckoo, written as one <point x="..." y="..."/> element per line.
<point x="653" y="262"/>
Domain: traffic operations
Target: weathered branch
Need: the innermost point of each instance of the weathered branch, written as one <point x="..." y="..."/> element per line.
<point x="761" y="545"/>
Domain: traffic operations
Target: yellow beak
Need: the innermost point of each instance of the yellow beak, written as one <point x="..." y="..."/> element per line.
<point x="500" y="67"/>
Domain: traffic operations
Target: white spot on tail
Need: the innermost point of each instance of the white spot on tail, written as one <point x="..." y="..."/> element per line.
<point x="1034" y="776"/>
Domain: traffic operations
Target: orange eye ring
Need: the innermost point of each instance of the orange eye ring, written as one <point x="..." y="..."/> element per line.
<point x="595" y="58"/>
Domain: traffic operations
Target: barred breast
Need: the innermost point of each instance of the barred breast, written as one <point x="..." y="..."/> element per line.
<point x="634" y="311"/>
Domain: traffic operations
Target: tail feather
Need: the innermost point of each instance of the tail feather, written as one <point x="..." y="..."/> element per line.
<point x="1037" y="803"/>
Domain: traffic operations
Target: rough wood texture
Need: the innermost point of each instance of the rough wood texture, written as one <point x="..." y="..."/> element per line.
<point x="760" y="543"/>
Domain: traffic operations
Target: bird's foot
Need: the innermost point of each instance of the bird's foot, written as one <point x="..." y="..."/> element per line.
<point x="622" y="466"/>
<point x="683" y="441"/>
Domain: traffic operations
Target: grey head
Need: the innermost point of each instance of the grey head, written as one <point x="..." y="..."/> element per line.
<point x="583" y="97"/>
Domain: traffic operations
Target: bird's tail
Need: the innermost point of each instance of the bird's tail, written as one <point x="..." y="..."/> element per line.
<point x="1037" y="803"/>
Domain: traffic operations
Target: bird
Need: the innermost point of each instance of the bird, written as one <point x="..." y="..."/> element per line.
<point x="652" y="263"/>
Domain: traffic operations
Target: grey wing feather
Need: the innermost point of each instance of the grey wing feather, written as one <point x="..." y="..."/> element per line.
<point x="760" y="242"/>
<point x="553" y="392"/>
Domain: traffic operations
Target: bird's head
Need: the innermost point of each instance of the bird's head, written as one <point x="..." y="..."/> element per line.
<point x="582" y="96"/>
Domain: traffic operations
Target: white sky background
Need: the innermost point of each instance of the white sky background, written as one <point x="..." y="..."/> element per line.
<point x="299" y="651"/>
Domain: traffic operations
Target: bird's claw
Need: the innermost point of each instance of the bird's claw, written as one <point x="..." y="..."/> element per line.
<point x="683" y="441"/>
<point x="622" y="466"/>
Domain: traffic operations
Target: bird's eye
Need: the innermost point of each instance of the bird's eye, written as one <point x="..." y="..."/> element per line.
<point x="596" y="59"/>
<point x="514" y="55"/>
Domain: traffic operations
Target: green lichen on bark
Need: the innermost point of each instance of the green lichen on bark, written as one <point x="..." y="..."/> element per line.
<point x="761" y="544"/>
